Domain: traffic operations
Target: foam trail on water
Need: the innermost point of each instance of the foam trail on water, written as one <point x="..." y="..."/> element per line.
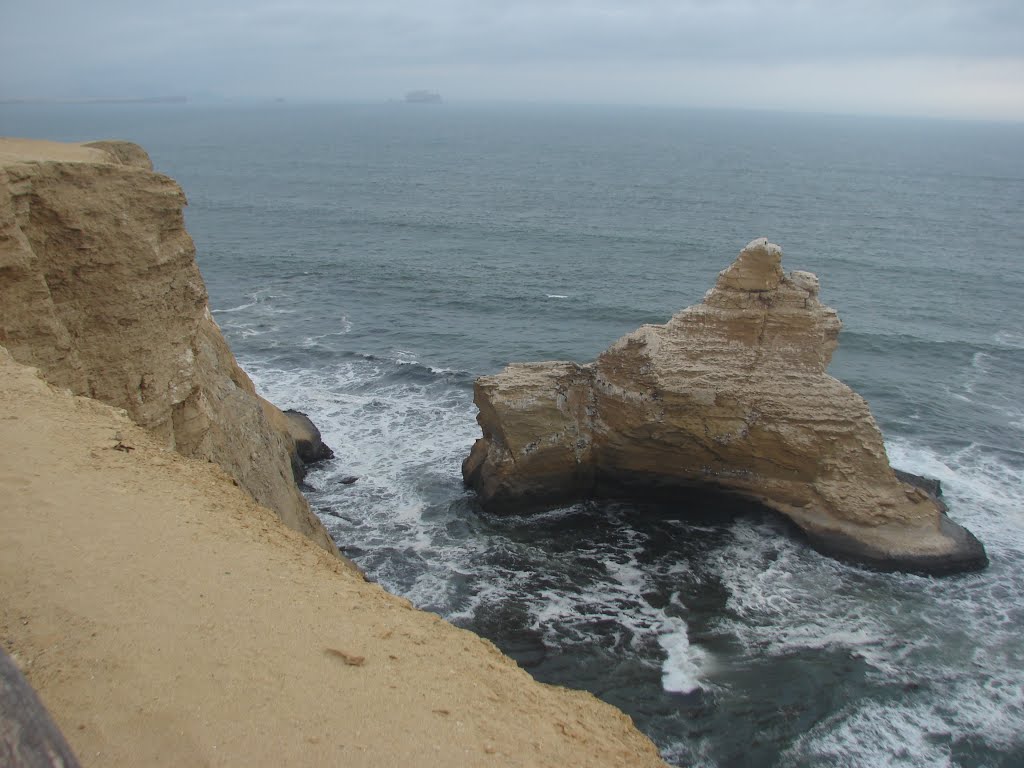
<point x="682" y="668"/>
<point x="876" y="735"/>
<point x="239" y="308"/>
<point x="1009" y="339"/>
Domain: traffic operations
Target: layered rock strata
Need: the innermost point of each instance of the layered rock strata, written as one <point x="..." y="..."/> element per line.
<point x="99" y="290"/>
<point x="731" y="394"/>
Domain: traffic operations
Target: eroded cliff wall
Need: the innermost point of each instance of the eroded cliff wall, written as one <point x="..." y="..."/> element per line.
<point x="99" y="290"/>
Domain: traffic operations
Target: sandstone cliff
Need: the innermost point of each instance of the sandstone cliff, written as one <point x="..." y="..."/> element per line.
<point x="99" y="290"/>
<point x="730" y="394"/>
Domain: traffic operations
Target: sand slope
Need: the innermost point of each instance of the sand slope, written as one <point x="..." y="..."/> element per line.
<point x="166" y="619"/>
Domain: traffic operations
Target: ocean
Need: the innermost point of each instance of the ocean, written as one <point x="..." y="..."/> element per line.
<point x="367" y="262"/>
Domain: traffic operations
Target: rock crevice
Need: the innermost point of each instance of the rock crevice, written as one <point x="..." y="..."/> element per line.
<point x="730" y="394"/>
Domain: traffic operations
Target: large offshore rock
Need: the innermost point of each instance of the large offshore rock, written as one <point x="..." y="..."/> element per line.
<point x="100" y="291"/>
<point x="730" y="394"/>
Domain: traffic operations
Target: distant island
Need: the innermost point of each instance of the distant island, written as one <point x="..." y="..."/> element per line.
<point x="422" y="97"/>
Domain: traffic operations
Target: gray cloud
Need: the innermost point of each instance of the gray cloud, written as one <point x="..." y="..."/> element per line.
<point x="358" y="50"/>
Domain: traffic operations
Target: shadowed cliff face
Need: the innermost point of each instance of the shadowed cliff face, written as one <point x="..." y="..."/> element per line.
<point x="732" y="394"/>
<point x="101" y="292"/>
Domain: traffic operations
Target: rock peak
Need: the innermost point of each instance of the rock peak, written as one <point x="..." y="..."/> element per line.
<point x="731" y="394"/>
<point x="757" y="309"/>
<point x="757" y="269"/>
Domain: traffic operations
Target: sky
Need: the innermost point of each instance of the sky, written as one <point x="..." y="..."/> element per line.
<point x="944" y="58"/>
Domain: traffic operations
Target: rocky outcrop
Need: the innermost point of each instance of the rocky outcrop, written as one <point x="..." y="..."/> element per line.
<point x="309" y="444"/>
<point x="100" y="291"/>
<point x="731" y="394"/>
<point x="303" y="439"/>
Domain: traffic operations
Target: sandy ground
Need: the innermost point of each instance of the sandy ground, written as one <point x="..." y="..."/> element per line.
<point x="28" y="150"/>
<point x="165" y="619"/>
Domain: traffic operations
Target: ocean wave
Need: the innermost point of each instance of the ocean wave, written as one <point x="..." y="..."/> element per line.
<point x="1009" y="339"/>
<point x="906" y="343"/>
<point x="684" y="664"/>
<point x="983" y="486"/>
<point x="949" y="647"/>
<point x="316" y="340"/>
<point x="239" y="308"/>
<point x="876" y="734"/>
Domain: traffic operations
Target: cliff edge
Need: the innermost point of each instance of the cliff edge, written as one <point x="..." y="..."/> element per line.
<point x="731" y="394"/>
<point x="99" y="290"/>
<point x="166" y="619"/>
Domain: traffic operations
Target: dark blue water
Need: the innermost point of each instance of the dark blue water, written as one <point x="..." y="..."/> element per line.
<point x="368" y="262"/>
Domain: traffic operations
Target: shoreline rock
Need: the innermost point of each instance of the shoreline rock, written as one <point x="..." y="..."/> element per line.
<point x="309" y="444"/>
<point x="731" y="395"/>
<point x="302" y="438"/>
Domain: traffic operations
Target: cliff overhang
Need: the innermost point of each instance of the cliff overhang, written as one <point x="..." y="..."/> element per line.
<point x="730" y="395"/>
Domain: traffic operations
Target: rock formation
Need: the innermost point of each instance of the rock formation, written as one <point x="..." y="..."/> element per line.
<point x="305" y="444"/>
<point x="731" y="394"/>
<point x="100" y="291"/>
<point x="309" y="444"/>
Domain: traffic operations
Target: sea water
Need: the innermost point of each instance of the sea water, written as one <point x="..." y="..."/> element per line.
<point x="367" y="262"/>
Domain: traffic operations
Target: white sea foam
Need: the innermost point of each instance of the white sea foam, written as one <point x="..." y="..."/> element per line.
<point x="979" y="371"/>
<point x="309" y="342"/>
<point x="258" y="297"/>
<point x="982" y="488"/>
<point x="404" y="357"/>
<point x="685" y="752"/>
<point x="397" y="438"/>
<point x="876" y="735"/>
<point x="567" y="616"/>
<point x="956" y="643"/>
<point x="684" y="664"/>
<point x="556" y="296"/>
<point x="1009" y="339"/>
<point x="239" y="308"/>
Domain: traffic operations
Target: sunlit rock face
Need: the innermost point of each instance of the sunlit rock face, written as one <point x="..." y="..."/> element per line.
<point x="730" y="394"/>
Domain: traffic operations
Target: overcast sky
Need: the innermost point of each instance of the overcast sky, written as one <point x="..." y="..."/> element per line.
<point x="956" y="58"/>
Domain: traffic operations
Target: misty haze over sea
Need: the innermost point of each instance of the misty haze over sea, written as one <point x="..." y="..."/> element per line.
<point x="367" y="262"/>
